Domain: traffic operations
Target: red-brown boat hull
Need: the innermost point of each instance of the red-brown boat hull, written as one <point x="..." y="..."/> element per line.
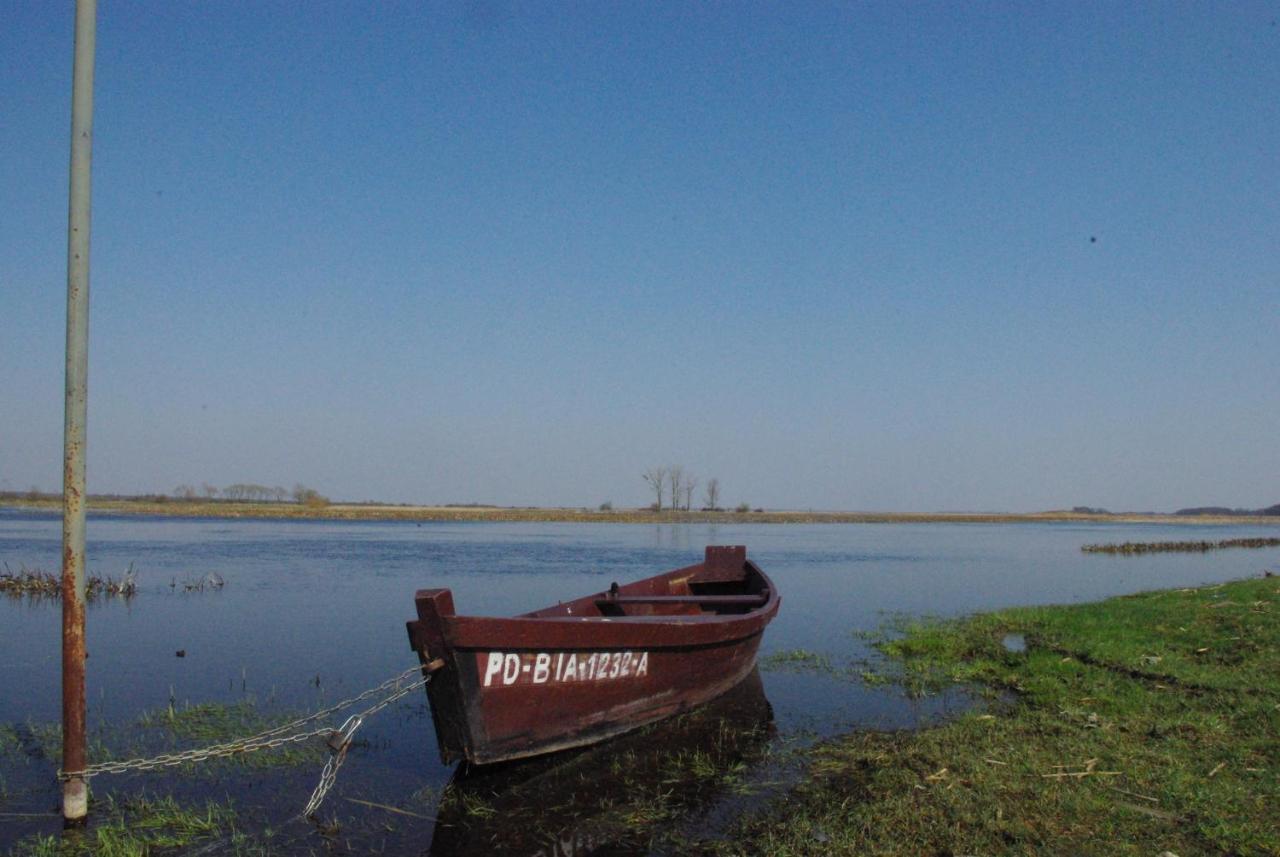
<point x="588" y="669"/>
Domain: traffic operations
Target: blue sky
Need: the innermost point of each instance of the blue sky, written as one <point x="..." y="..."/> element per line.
<point x="837" y="256"/>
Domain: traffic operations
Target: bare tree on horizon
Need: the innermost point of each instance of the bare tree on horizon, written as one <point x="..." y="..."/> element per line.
<point x="713" y="493"/>
<point x="675" y="481"/>
<point x="657" y="479"/>
<point x="690" y="483"/>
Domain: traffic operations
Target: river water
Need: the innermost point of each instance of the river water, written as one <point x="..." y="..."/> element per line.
<point x="314" y="611"/>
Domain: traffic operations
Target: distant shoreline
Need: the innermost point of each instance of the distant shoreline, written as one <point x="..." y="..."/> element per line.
<point x="386" y="512"/>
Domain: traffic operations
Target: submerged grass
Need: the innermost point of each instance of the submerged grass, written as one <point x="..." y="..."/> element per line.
<point x="1137" y="725"/>
<point x="1133" y="548"/>
<point x="168" y="730"/>
<point x="206" y="721"/>
<point x="137" y="827"/>
<point x="35" y="584"/>
<point x="10" y="739"/>
<point x="31" y="740"/>
<point x="215" y="723"/>
<point x="211" y="581"/>
<point x="798" y="660"/>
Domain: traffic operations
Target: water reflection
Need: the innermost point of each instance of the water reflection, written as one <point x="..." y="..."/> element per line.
<point x="681" y="538"/>
<point x="608" y="798"/>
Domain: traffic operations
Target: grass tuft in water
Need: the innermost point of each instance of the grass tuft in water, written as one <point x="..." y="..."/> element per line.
<point x="798" y="660"/>
<point x="136" y="827"/>
<point x="31" y="740"/>
<point x="10" y="739"/>
<point x="210" y="582"/>
<point x="1133" y="548"/>
<point x="215" y="723"/>
<point x="34" y="584"/>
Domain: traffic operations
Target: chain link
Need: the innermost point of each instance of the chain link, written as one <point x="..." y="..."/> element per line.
<point x="271" y="738"/>
<point x="340" y="742"/>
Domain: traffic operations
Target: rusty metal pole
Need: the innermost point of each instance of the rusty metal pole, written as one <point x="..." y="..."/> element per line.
<point x="75" y="792"/>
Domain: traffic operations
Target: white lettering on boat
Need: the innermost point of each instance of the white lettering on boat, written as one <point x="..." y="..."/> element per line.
<point x="495" y="664"/>
<point x="509" y="668"/>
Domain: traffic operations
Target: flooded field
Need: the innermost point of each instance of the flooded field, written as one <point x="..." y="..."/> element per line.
<point x="306" y="613"/>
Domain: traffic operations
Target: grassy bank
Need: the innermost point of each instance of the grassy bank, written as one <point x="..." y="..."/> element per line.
<point x="386" y="512"/>
<point x="1138" y="725"/>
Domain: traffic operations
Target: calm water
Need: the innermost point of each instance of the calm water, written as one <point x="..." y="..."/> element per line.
<point x="314" y="611"/>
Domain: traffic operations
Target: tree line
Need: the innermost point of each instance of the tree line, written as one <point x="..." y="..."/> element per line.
<point x="677" y="485"/>
<point x="252" y="492"/>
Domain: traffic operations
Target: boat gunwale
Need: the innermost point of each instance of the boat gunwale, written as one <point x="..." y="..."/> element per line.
<point x="566" y="632"/>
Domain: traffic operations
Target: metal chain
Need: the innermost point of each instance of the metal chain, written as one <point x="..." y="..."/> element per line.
<point x="270" y="739"/>
<point x="340" y="742"/>
<point x="202" y="754"/>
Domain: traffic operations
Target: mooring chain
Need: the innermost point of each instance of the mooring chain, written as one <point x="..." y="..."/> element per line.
<point x="202" y="754"/>
<point x="272" y="738"/>
<point x="329" y="774"/>
<point x="340" y="741"/>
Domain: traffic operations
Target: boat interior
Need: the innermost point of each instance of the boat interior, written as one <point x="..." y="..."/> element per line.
<point x="703" y="589"/>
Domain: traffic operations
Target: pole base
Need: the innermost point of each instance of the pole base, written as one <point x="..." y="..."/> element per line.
<point x="75" y="802"/>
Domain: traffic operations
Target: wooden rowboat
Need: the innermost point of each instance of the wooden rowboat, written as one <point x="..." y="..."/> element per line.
<point x="586" y="670"/>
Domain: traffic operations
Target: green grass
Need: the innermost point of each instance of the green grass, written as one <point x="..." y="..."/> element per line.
<point x="207" y="722"/>
<point x="10" y="739"/>
<point x="167" y="730"/>
<point x="31" y="740"/>
<point x="138" y="827"/>
<point x="215" y="723"/>
<point x="1136" y="725"/>
<point x="142" y="825"/>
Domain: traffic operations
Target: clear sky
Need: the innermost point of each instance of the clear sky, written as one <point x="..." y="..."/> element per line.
<point x="880" y="256"/>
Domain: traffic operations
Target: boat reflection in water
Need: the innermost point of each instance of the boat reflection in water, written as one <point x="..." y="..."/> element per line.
<point x="607" y="798"/>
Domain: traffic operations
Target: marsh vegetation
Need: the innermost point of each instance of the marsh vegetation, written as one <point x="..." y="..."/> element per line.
<point x="1135" y="548"/>
<point x="142" y="825"/>
<point x="1138" y="725"/>
<point x="34" y="583"/>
